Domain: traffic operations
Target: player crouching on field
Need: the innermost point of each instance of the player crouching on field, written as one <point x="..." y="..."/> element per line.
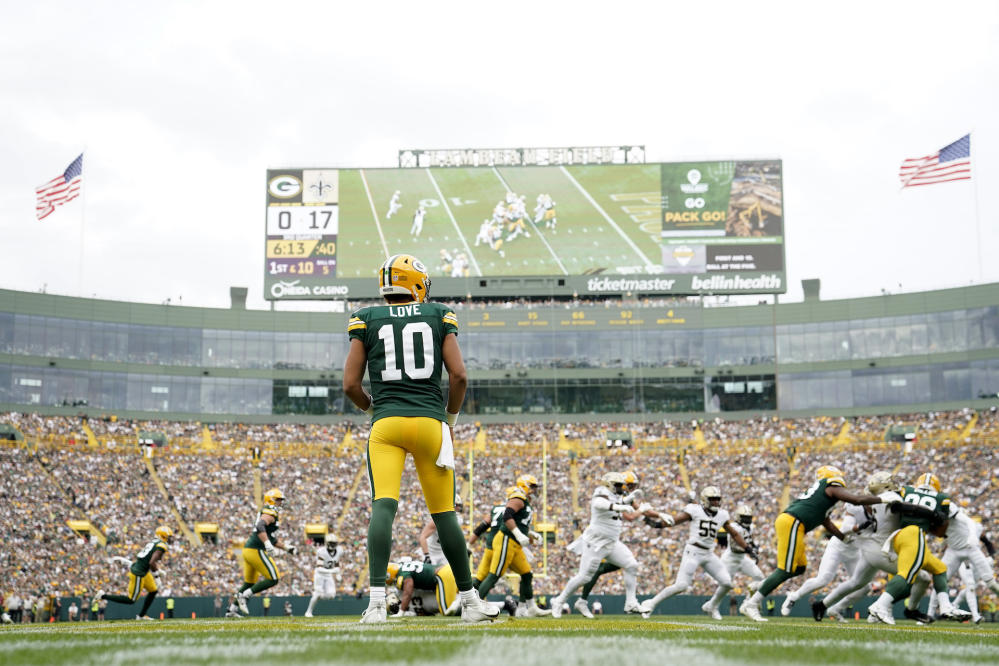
<point x="140" y="574"/>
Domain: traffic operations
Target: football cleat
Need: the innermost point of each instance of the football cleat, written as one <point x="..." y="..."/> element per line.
<point x="646" y="608"/>
<point x="99" y="595"/>
<point x="143" y="617"/>
<point x="917" y="615"/>
<point x="818" y="610"/>
<point x="533" y="610"/>
<point x="956" y="615"/>
<point x="241" y="602"/>
<point x="404" y="274"/>
<point x="308" y="614"/>
<point x="785" y="608"/>
<point x="711" y="610"/>
<point x="633" y="608"/>
<point x="880" y="614"/>
<point x="510" y="606"/>
<point x="556" y="604"/>
<point x="751" y="610"/>
<point x="583" y="608"/>
<point x="837" y="616"/>
<point x="374" y="613"/>
<point x="478" y="610"/>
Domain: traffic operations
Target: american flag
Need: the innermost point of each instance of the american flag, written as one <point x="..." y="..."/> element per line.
<point x="952" y="162"/>
<point x="64" y="187"/>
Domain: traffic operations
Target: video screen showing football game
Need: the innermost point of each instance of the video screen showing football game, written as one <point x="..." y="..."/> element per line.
<point x="657" y="228"/>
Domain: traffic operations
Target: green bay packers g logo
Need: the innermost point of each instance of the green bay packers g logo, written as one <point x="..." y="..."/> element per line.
<point x="284" y="187"/>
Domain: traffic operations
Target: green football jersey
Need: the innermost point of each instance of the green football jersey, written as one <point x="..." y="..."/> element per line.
<point x="140" y="567"/>
<point x="254" y="540"/>
<point x="813" y="505"/>
<point x="496" y="519"/>
<point x="522" y="519"/>
<point x="938" y="503"/>
<point x="403" y="345"/>
<point x="423" y="575"/>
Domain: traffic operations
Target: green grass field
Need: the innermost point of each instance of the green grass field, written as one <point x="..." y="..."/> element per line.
<point x="692" y="641"/>
<point x="608" y="218"/>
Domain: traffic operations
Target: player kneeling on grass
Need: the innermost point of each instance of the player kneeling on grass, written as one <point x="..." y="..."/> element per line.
<point x="259" y="570"/>
<point x="426" y="590"/>
<point x="323" y="585"/>
<point x="705" y="520"/>
<point x="140" y="574"/>
<point x="803" y="515"/>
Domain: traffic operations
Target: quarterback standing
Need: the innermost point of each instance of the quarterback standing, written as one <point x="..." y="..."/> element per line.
<point x="404" y="345"/>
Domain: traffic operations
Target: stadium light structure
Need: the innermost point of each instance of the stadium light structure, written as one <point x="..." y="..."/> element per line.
<point x="418" y="158"/>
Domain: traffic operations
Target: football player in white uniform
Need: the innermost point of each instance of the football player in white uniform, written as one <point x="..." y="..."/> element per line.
<point x="323" y="585"/>
<point x="418" y="216"/>
<point x="963" y="535"/>
<point x="705" y="519"/>
<point x="601" y="541"/>
<point x="847" y="553"/>
<point x="735" y="558"/>
<point x="394" y="205"/>
<point x="485" y="235"/>
<point x="872" y="557"/>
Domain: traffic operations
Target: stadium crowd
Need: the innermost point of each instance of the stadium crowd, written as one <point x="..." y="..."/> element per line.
<point x="52" y="476"/>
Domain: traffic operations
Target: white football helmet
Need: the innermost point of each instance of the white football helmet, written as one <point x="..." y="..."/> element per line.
<point x="711" y="499"/>
<point x="615" y="481"/>
<point x="881" y="482"/>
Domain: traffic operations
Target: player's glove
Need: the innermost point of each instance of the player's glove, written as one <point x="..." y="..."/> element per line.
<point x="291" y="550"/>
<point x="753" y="552"/>
<point x="644" y="506"/>
<point x="521" y="537"/>
<point x="668" y="519"/>
<point x="269" y="547"/>
<point x="534" y="536"/>
<point x="426" y="559"/>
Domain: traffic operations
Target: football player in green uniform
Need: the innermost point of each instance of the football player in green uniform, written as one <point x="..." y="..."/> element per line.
<point x="924" y="509"/>
<point x="405" y="345"/>
<point x="259" y="570"/>
<point x="804" y="514"/>
<point x="140" y="574"/>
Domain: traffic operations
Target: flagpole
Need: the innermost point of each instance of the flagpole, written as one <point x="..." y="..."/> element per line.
<point x="978" y="219"/>
<point x="83" y="224"/>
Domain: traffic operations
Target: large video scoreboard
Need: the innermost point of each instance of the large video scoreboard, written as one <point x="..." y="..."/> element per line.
<point x="670" y="228"/>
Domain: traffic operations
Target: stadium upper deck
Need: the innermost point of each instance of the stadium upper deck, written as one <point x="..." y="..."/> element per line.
<point x="605" y="360"/>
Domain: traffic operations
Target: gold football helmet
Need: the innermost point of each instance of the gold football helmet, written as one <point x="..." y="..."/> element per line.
<point x="164" y="533"/>
<point x="631" y="479"/>
<point x="514" y="492"/>
<point x="404" y="274"/>
<point x="830" y="473"/>
<point x="928" y="480"/>
<point x="273" y="495"/>
<point x="528" y="483"/>
<point x="392" y="572"/>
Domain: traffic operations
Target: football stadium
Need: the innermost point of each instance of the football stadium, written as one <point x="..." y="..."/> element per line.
<point x="512" y="405"/>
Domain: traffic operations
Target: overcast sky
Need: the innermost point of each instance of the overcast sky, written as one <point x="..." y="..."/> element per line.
<point x="182" y="106"/>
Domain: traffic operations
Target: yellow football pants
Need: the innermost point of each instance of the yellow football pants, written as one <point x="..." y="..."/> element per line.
<point x="790" y="543"/>
<point x="913" y="555"/>
<point x="390" y="440"/>
<point x="484" y="564"/>
<point x="136" y="585"/>
<point x="447" y="588"/>
<point x="508" y="554"/>
<point x="256" y="563"/>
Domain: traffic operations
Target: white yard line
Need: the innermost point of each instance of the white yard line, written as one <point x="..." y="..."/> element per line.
<point x="471" y="255"/>
<point x="536" y="230"/>
<point x="648" y="264"/>
<point x="374" y="212"/>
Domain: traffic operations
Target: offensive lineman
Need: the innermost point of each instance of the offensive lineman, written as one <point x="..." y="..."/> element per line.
<point x="964" y="557"/>
<point x="405" y="345"/>
<point x="837" y="552"/>
<point x="323" y="585"/>
<point x="602" y="541"/>
<point x="510" y="546"/>
<point x="804" y="514"/>
<point x="140" y="573"/>
<point x="257" y="552"/>
<point x="705" y="519"/>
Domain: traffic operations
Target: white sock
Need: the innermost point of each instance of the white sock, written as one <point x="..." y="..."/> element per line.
<point x="756" y="599"/>
<point x="468" y="596"/>
<point x="376" y="595"/>
<point x="247" y="593"/>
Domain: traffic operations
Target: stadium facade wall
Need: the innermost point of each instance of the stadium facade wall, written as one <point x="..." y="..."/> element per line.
<point x="601" y="361"/>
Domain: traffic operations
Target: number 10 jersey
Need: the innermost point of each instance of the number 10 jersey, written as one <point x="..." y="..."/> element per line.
<point x="403" y="345"/>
